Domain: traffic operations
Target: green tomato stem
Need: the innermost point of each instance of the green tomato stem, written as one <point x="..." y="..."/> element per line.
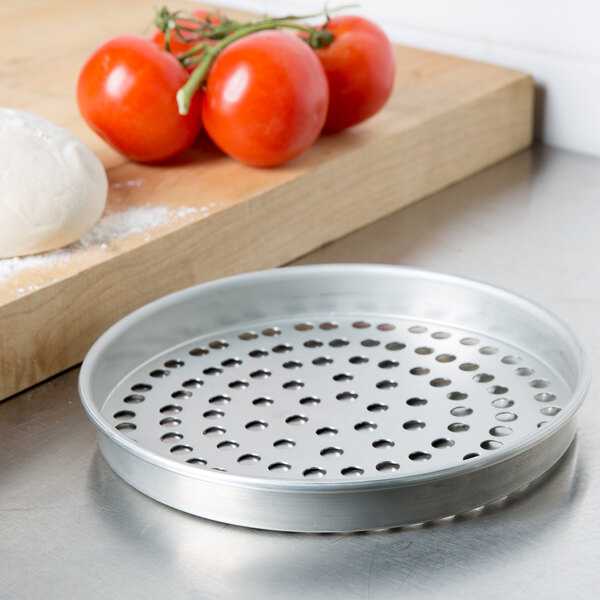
<point x="198" y="76"/>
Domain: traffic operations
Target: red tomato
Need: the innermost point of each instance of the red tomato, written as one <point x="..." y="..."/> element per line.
<point x="360" y="68"/>
<point x="178" y="45"/>
<point x="126" y="93"/>
<point x="266" y="99"/>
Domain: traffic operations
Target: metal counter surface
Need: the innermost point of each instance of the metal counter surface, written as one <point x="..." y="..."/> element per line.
<point x="70" y="528"/>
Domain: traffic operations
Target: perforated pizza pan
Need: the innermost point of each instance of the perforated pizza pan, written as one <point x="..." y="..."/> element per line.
<point x="334" y="398"/>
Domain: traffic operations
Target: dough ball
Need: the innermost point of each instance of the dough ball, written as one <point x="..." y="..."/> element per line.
<point x="52" y="186"/>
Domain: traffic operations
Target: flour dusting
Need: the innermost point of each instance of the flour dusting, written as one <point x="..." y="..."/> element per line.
<point x="112" y="226"/>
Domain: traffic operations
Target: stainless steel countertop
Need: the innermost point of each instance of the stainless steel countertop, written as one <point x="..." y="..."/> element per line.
<point x="70" y="528"/>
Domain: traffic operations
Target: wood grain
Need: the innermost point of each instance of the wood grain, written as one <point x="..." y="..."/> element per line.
<point x="447" y="119"/>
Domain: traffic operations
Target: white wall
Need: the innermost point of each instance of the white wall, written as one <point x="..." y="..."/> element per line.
<point x="557" y="41"/>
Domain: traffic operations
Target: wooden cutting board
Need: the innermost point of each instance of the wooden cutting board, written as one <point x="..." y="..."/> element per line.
<point x="447" y="119"/>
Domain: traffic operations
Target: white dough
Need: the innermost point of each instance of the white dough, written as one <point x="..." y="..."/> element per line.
<point x="52" y="186"/>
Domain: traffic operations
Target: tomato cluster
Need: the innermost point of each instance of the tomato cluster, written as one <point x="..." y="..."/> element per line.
<point x="263" y="96"/>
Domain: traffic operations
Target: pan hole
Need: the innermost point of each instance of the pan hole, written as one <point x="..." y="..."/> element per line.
<point x="181" y="449"/>
<point x="419" y="456"/>
<point x="502" y="403"/>
<point x="133" y="399"/>
<point x="172" y="436"/>
<point x="248" y="335"/>
<point x="458" y="427"/>
<point x="281" y="348"/>
<point x="159" y="373"/>
<point x="343" y="377"/>
<point x="440" y="335"/>
<point x="352" y="471"/>
<point x="365" y="426"/>
<point x="542" y="423"/>
<point x="483" y="378"/>
<point x="196" y="461"/>
<point x="445" y="358"/>
<point x="370" y="343"/>
<point x="141" y="387"/>
<point x="309" y="401"/>
<point x="383" y="444"/>
<point x="358" y="360"/>
<point x="260" y="374"/>
<point x="258" y="353"/>
<point x="417" y="329"/>
<point x="126" y="426"/>
<point x="322" y="360"/>
<point x="271" y="331"/>
<point x="524" y="371"/>
<point x="510" y="360"/>
<point x="248" y="459"/>
<point x="550" y="411"/>
<point x="239" y="384"/>
<point x="424" y="350"/>
<point x="313" y="343"/>
<point x="395" y="346"/>
<point x="292" y="364"/>
<point x="228" y="445"/>
<point x="386" y="384"/>
<point x="488" y="350"/>
<point x="218" y="344"/>
<point x="198" y="351"/>
<point x="284" y="443"/>
<point x="491" y="444"/>
<point x="192" y="383"/>
<point x="497" y="389"/>
<point x="506" y="416"/>
<point x="468" y="367"/>
<point x="440" y="382"/>
<point x="279" y="466"/>
<point x="387" y="466"/>
<point x="212" y="371"/>
<point x="461" y="411"/>
<point x="545" y="397"/>
<point x="457" y="396"/>
<point x="293" y="385"/>
<point x="377" y="407"/>
<point x="347" y="396"/>
<point x="539" y="383"/>
<point x="174" y="364"/>
<point x="213" y="414"/>
<point x="256" y="425"/>
<point x="171" y="409"/>
<point x="361" y="325"/>
<point x="297" y="420"/>
<point x="214" y="431"/>
<point x="388" y="364"/>
<point x="220" y="399"/>
<point x="180" y="394"/>
<point x="170" y="422"/>
<point x="263" y="401"/>
<point x="327" y="431"/>
<point x="231" y="362"/>
<point x="332" y="451"/>
<point x="470" y="455"/>
<point x="339" y="343"/>
<point x="441" y="443"/>
<point x="304" y="327"/>
<point x="419" y="371"/>
<point x="469" y="341"/>
<point x="314" y="472"/>
<point x="416" y="402"/>
<point x="500" y="431"/>
<point x="328" y="325"/>
<point x="386" y="327"/>
<point x="413" y="425"/>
